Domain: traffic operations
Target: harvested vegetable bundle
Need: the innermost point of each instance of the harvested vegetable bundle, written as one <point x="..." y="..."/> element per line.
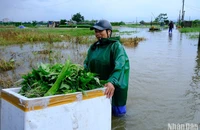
<point x="58" y="79"/>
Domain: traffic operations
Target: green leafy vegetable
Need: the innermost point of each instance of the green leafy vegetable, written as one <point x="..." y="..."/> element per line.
<point x="54" y="79"/>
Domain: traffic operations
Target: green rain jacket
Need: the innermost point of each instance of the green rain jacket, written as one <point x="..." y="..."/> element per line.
<point x="109" y="60"/>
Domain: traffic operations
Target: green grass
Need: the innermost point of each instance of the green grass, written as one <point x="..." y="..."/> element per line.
<point x="136" y="26"/>
<point x="144" y="26"/>
<point x="188" y="30"/>
<point x="9" y="36"/>
<point x="191" y="30"/>
<point x="6" y="65"/>
<point x="67" y="31"/>
<point x="127" y="32"/>
<point x="193" y="36"/>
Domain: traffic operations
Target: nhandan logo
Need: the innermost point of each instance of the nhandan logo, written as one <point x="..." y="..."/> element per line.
<point x="186" y="126"/>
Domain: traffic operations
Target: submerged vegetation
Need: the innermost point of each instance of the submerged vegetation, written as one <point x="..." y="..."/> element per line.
<point x="194" y="36"/>
<point x="127" y="32"/>
<point x="131" y="42"/>
<point x="45" y="45"/>
<point x="189" y="30"/>
<point x="6" y="65"/>
<point x="193" y="32"/>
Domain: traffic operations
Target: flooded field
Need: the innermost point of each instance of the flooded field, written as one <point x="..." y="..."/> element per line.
<point x="28" y="56"/>
<point x="164" y="80"/>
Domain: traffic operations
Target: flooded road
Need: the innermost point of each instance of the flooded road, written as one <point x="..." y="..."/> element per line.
<point x="164" y="85"/>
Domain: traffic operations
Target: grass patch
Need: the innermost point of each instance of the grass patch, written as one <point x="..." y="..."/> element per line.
<point x="18" y="36"/>
<point x="6" y="82"/>
<point x="188" y="30"/>
<point x="65" y="31"/>
<point x="131" y="42"/>
<point x="191" y="30"/>
<point x="6" y="65"/>
<point x="144" y="26"/>
<point x="127" y="32"/>
<point x="193" y="36"/>
<point x="136" y="26"/>
<point x="9" y="36"/>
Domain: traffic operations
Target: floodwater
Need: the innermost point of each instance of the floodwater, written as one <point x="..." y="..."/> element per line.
<point x="164" y="85"/>
<point x="28" y="56"/>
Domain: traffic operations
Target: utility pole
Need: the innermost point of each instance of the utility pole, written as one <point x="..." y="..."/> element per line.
<point x="183" y="12"/>
<point x="136" y="20"/>
<point x="199" y="41"/>
<point x="179" y="18"/>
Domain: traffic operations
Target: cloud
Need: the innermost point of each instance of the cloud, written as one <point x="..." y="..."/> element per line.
<point x="113" y="10"/>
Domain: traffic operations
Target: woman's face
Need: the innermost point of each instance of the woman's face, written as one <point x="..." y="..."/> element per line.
<point x="102" y="34"/>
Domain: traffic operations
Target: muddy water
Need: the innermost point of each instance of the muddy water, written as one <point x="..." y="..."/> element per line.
<point x="164" y="82"/>
<point x="29" y="56"/>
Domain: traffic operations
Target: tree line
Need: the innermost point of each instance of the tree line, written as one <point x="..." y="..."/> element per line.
<point x="78" y="19"/>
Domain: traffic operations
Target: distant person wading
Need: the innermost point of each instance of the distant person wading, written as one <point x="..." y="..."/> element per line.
<point x="171" y="26"/>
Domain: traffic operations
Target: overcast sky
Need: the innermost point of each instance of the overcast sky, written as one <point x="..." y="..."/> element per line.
<point x="112" y="10"/>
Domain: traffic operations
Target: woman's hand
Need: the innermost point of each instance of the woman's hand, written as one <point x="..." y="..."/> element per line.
<point x="109" y="90"/>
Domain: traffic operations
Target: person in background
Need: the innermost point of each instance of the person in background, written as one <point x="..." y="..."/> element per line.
<point x="171" y="26"/>
<point x="107" y="58"/>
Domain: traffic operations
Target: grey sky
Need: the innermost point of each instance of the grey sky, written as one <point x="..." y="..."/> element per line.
<point x="112" y="10"/>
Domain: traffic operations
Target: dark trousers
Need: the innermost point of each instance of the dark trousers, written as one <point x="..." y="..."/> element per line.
<point x="170" y="30"/>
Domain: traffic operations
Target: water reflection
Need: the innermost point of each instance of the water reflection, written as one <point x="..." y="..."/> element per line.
<point x="193" y="93"/>
<point x="28" y="56"/>
<point x="197" y="68"/>
<point x="181" y="36"/>
<point x="119" y="123"/>
<point x="196" y="78"/>
<point x="169" y="37"/>
<point x="161" y="74"/>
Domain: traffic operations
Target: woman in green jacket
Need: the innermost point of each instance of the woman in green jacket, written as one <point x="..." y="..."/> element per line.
<point x="108" y="59"/>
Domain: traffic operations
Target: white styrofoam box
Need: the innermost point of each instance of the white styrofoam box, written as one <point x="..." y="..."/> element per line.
<point x="59" y="112"/>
